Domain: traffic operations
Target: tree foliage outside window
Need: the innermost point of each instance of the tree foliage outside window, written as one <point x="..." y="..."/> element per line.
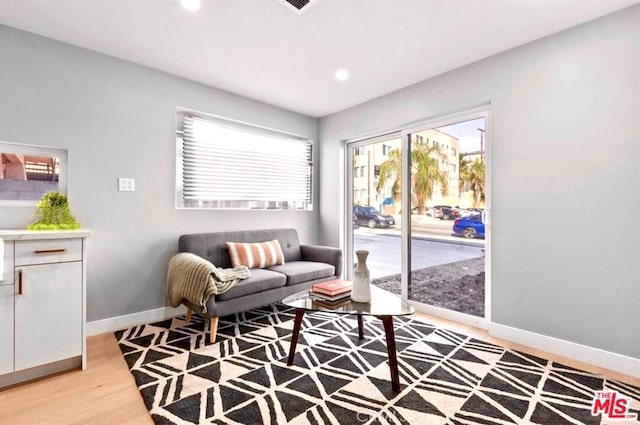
<point x="472" y="173"/>
<point x="425" y="173"/>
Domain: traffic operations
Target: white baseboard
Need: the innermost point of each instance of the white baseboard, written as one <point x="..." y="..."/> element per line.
<point x="583" y="353"/>
<point x="122" y="322"/>
<point x="454" y="316"/>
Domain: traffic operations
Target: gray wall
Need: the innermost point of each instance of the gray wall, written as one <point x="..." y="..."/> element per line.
<point x="565" y="176"/>
<point x="117" y="119"/>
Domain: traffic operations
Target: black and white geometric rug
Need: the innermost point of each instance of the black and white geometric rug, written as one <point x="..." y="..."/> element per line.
<point x="446" y="377"/>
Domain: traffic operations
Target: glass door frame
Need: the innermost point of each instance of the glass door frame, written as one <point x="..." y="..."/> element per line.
<point x="480" y="112"/>
<point x="350" y="146"/>
<point x="403" y="133"/>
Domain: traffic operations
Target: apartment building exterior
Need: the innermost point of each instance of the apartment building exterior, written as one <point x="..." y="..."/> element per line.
<point x="369" y="158"/>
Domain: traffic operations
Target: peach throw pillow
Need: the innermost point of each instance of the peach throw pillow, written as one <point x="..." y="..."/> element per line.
<point x="255" y="255"/>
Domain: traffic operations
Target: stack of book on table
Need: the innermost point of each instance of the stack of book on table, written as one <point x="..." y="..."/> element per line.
<point x="332" y="293"/>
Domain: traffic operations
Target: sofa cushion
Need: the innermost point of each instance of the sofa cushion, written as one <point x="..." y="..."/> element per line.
<point x="255" y="255"/>
<point x="260" y="280"/>
<point x="304" y="271"/>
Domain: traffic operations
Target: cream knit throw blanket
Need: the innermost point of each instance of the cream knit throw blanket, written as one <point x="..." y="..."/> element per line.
<point x="195" y="279"/>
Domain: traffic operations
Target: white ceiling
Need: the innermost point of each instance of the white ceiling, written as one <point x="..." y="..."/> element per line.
<point x="263" y="50"/>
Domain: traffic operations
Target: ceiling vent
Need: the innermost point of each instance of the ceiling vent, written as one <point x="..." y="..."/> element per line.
<point x="298" y="6"/>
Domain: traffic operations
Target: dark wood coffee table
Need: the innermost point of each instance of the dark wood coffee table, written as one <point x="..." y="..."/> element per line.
<point x="383" y="305"/>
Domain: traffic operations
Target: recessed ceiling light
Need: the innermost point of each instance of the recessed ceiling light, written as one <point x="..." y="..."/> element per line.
<point x="342" y="75"/>
<point x="191" y="5"/>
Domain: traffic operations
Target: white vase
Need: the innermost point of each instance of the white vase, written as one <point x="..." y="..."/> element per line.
<point x="361" y="290"/>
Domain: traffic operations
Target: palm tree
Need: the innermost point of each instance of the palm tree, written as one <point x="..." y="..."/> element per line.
<point x="473" y="173"/>
<point x="463" y="171"/>
<point x="425" y="173"/>
<point x="391" y="168"/>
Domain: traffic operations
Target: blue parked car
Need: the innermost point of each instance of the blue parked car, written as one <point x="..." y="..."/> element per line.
<point x="470" y="227"/>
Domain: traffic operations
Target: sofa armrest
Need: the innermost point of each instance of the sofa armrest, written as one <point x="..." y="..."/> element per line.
<point x="323" y="254"/>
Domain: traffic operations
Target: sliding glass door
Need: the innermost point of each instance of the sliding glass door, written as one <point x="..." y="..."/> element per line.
<point x="374" y="185"/>
<point x="446" y="267"/>
<point x="418" y="199"/>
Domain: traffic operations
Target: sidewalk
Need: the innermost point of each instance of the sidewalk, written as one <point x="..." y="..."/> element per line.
<point x="385" y="250"/>
<point x="423" y="233"/>
<point x="448" y="239"/>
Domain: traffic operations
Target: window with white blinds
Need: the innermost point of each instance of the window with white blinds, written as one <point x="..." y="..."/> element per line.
<point x="227" y="164"/>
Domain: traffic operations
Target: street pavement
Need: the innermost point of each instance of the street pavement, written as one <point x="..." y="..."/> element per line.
<point x="432" y="244"/>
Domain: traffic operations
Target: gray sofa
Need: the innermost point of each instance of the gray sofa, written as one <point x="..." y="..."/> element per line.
<point x="304" y="266"/>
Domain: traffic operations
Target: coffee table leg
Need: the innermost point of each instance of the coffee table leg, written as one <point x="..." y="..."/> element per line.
<point x="360" y="327"/>
<point x="387" y="321"/>
<point x="294" y="337"/>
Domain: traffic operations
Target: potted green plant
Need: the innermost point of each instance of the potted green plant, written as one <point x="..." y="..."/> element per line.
<point x="53" y="213"/>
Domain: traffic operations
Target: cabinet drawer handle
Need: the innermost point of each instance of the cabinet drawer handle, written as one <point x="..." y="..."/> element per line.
<point x="19" y="282"/>
<point x="49" y="251"/>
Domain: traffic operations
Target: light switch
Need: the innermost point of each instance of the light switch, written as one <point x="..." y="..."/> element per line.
<point x="126" y="184"/>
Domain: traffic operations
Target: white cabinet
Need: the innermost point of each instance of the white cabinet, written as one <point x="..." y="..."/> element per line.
<point x="42" y="310"/>
<point x="6" y="329"/>
<point x="7" y="273"/>
<point x="6" y="310"/>
<point x="48" y="314"/>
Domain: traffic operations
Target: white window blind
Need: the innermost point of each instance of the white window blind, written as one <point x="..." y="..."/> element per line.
<point x="225" y="164"/>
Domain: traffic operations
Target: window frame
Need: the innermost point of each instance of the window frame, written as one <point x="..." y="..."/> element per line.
<point x="253" y="129"/>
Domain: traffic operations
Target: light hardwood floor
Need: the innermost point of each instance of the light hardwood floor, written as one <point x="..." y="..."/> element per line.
<point x="106" y="393"/>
